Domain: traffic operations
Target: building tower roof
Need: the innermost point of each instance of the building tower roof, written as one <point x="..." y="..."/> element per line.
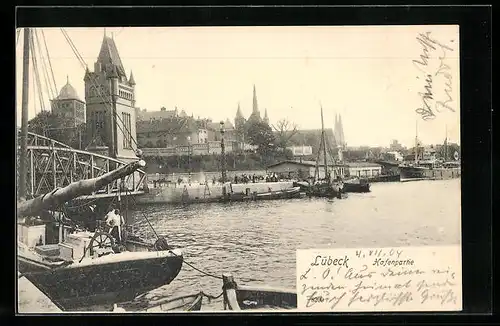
<point x="68" y="92"/>
<point x="266" y="118"/>
<point x="109" y="55"/>
<point x="131" y="80"/>
<point x="239" y="115"/>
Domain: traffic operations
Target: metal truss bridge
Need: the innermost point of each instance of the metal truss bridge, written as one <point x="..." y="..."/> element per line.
<point x="52" y="164"/>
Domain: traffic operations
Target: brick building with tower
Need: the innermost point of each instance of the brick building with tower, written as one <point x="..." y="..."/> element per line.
<point x="69" y="105"/>
<point x="110" y="99"/>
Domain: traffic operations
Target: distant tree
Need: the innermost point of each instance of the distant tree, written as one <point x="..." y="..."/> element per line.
<point x="43" y="121"/>
<point x="58" y="127"/>
<point x="261" y="135"/>
<point x="285" y="130"/>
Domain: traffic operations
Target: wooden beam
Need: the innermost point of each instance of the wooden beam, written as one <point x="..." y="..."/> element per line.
<point x="229" y="288"/>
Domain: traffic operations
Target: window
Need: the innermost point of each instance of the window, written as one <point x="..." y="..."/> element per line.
<point x="99" y="120"/>
<point x="127" y="129"/>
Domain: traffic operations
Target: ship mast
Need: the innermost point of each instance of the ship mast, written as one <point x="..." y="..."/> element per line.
<point x="327" y="177"/>
<point x="24" y="116"/>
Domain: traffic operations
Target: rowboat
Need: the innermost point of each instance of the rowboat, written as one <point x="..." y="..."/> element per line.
<point x="191" y="302"/>
<point x="242" y="297"/>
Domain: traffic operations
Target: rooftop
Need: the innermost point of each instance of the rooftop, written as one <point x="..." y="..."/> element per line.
<point x="109" y="55"/>
<point x="68" y="92"/>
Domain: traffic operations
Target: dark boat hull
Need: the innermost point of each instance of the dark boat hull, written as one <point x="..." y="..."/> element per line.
<point x="324" y="191"/>
<point x="238" y="297"/>
<point x="262" y="299"/>
<point x="272" y="195"/>
<point x="353" y="187"/>
<point x="409" y="173"/>
<point x="385" y="178"/>
<point x="75" y="287"/>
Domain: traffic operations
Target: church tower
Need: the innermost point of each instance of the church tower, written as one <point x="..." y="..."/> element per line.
<point x="266" y="118"/>
<point x="110" y="99"/>
<point x="239" y="120"/>
<point x="339" y="131"/>
<point x="255" y="116"/>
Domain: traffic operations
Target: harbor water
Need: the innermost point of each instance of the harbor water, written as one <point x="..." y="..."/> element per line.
<point x="257" y="241"/>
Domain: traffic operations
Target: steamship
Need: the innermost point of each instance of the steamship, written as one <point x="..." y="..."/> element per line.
<point x="426" y="167"/>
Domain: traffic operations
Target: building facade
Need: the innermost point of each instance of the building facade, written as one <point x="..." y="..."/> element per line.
<point x="181" y="131"/>
<point x="110" y="98"/>
<point x="301" y="150"/>
<point x="395" y="146"/>
<point x="364" y="169"/>
<point x="209" y="148"/>
<point x="170" y="129"/>
<point x="69" y="105"/>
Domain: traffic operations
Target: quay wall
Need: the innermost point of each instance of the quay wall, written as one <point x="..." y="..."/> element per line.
<point x="201" y="176"/>
<point x="31" y="300"/>
<point x="173" y="194"/>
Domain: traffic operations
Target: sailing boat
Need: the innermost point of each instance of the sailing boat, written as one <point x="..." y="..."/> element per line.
<point x="324" y="187"/>
<point x="425" y="168"/>
<point x="87" y="269"/>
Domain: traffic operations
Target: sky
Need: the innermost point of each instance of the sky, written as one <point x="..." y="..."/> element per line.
<point x="367" y="74"/>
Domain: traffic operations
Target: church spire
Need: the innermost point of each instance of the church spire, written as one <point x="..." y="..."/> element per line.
<point x="266" y="118"/>
<point x="255" y="108"/>
<point x="336" y="130"/>
<point x="238" y="112"/>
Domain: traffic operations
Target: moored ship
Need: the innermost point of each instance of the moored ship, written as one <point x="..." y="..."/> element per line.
<point x="430" y="170"/>
<point x="427" y="167"/>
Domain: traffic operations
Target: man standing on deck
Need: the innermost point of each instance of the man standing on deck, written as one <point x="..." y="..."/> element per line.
<point x="114" y="219"/>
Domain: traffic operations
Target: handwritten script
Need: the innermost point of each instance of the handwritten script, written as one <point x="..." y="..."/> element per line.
<point x="436" y="74"/>
<point x="380" y="279"/>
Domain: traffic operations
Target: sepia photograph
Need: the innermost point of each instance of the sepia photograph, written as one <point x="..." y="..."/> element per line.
<point x="252" y="168"/>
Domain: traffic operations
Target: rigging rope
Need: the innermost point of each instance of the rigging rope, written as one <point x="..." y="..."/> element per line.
<point x="211" y="297"/>
<point x="37" y="76"/>
<point x="48" y="59"/>
<point x="46" y="77"/>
